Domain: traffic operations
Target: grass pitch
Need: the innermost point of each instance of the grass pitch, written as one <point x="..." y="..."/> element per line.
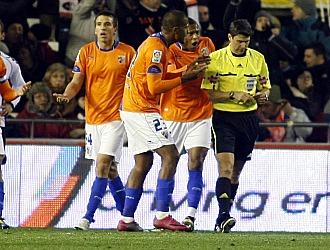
<point x="23" y="238"/>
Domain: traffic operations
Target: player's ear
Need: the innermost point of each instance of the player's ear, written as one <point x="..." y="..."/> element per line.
<point x="229" y="37"/>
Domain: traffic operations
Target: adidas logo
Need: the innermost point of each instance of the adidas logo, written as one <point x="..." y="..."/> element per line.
<point x="224" y="196"/>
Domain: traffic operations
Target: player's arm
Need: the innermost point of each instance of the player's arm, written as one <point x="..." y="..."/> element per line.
<point x="191" y="71"/>
<point x="263" y="85"/>
<point x="211" y="84"/>
<point x="71" y="89"/>
<point x="156" y="84"/>
<point x="10" y="94"/>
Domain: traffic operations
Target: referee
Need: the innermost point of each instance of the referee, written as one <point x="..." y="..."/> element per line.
<point x="237" y="82"/>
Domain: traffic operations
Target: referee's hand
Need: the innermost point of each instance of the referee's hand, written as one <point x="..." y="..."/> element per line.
<point x="261" y="98"/>
<point x="243" y="98"/>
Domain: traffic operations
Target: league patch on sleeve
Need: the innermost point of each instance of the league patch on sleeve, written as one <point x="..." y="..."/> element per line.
<point x="156" y="56"/>
<point x="154" y="70"/>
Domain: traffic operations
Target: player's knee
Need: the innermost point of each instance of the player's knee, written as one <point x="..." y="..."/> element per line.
<point x="113" y="172"/>
<point x="196" y="163"/>
<point x="170" y="159"/>
<point x="102" y="169"/>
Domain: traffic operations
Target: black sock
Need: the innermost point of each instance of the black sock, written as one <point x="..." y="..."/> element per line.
<point x="223" y="193"/>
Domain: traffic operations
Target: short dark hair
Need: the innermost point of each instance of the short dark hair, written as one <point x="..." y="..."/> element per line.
<point x="173" y="18"/>
<point x="240" y="27"/>
<point x="109" y="14"/>
<point x="318" y="49"/>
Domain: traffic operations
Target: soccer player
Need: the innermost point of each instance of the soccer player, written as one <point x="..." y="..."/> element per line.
<point x="242" y="83"/>
<point x="102" y="66"/>
<point x="187" y="112"/>
<point x="9" y="70"/>
<point x="146" y="130"/>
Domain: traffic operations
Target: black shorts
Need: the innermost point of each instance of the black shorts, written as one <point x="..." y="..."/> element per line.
<point x="235" y="132"/>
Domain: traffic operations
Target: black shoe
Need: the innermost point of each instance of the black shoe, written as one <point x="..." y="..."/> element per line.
<point x="3" y="224"/>
<point x="225" y="225"/>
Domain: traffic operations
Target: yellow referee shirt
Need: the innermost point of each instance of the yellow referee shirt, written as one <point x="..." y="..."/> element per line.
<point x="236" y="74"/>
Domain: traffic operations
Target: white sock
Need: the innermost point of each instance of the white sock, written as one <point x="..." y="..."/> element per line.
<point x="127" y="219"/>
<point x="161" y="215"/>
<point x="192" y="211"/>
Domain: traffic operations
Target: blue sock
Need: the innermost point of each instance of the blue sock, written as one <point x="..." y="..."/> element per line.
<point x="2" y="196"/>
<point x="118" y="192"/>
<point x="195" y="186"/>
<point x="98" y="190"/>
<point x="132" y="199"/>
<point x="164" y="194"/>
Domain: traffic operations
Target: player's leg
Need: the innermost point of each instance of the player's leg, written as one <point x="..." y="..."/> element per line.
<point x="134" y="189"/>
<point x="165" y="186"/>
<point x="243" y="148"/>
<point x="101" y="145"/>
<point x="196" y="157"/>
<point x="116" y="186"/>
<point x="139" y="137"/>
<point x="98" y="190"/>
<point x="224" y="221"/>
<point x="224" y="144"/>
<point x="197" y="142"/>
<point x="234" y="181"/>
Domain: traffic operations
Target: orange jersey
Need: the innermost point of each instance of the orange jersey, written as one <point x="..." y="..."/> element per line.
<point x="147" y="77"/>
<point x="105" y="73"/>
<point x="187" y="102"/>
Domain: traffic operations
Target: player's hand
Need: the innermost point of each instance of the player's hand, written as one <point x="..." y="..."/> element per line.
<point x="61" y="98"/>
<point x="23" y="89"/>
<point x="244" y="98"/>
<point x="261" y="98"/>
<point x="196" y="69"/>
<point x="6" y="109"/>
<point x="202" y="59"/>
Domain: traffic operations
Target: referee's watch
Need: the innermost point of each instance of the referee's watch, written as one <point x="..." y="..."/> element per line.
<point x="231" y="95"/>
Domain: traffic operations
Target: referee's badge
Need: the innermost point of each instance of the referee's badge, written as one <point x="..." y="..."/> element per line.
<point x="250" y="83"/>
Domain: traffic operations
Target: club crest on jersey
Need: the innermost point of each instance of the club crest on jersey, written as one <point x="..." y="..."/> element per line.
<point x="121" y="59"/>
<point x="156" y="56"/>
<point x="205" y="51"/>
<point x="250" y="83"/>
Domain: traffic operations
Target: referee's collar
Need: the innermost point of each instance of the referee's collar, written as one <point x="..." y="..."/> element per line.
<point x="235" y="55"/>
